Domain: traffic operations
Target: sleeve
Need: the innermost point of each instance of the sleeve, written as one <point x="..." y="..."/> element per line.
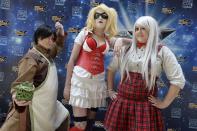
<point x="172" y="68"/>
<point x="114" y="64"/>
<point x="58" y="46"/>
<point x="26" y="71"/>
<point x="114" y="40"/>
<point x="60" y="40"/>
<point x="81" y="37"/>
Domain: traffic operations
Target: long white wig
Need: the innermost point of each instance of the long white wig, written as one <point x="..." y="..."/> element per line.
<point x="149" y="59"/>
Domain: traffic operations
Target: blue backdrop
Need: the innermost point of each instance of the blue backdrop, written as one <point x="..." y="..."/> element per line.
<point x="19" y="19"/>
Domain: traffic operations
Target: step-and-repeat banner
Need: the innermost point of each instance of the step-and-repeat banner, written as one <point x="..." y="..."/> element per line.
<point x="20" y="18"/>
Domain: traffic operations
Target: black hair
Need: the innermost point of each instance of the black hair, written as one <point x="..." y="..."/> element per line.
<point x="43" y="31"/>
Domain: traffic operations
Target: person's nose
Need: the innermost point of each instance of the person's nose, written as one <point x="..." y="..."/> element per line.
<point x="100" y="17"/>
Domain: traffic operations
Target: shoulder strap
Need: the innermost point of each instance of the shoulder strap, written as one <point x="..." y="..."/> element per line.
<point x="40" y="60"/>
<point x="88" y="35"/>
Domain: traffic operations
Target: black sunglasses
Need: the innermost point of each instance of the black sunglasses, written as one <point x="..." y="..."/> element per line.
<point x="103" y="15"/>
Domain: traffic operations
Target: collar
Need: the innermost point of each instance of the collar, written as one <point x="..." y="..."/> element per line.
<point x="44" y="51"/>
<point x="140" y="45"/>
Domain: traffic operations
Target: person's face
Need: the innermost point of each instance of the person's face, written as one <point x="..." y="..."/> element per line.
<point x="141" y="34"/>
<point x="46" y="42"/>
<point x="100" y="18"/>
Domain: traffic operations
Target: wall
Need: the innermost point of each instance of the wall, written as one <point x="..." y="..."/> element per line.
<point x="19" y="19"/>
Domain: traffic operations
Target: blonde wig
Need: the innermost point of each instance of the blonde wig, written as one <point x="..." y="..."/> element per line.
<point x="149" y="60"/>
<point x="111" y="25"/>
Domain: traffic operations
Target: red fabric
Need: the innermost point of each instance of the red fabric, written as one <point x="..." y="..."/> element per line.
<point x="139" y="45"/>
<point x="91" y="43"/>
<point x="75" y="129"/>
<point x="131" y="110"/>
<point x="92" y="61"/>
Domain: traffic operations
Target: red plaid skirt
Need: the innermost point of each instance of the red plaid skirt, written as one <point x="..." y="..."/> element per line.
<point x="131" y="110"/>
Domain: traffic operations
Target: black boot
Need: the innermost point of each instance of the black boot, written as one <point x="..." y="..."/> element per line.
<point x="90" y="123"/>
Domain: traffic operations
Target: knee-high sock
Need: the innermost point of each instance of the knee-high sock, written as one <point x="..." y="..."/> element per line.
<point x="78" y="119"/>
<point x="90" y="123"/>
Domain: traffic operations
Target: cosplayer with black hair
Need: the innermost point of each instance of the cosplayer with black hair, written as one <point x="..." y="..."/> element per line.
<point x="34" y="92"/>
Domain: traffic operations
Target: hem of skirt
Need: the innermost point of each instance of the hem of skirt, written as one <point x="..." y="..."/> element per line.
<point x="103" y="104"/>
<point x="89" y="106"/>
<point x="87" y="103"/>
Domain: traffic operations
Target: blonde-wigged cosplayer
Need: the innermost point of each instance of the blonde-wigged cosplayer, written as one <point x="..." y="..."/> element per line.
<point x="111" y="25"/>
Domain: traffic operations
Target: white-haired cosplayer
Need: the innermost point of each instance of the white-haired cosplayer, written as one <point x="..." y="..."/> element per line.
<point x="135" y="106"/>
<point x="85" y="86"/>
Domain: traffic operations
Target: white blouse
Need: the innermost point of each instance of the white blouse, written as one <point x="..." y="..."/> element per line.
<point x="166" y="61"/>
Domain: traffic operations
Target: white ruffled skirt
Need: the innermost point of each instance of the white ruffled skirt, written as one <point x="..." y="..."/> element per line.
<point x="87" y="92"/>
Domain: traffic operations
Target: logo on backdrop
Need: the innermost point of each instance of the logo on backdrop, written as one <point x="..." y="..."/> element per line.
<point x="59" y="2"/>
<point x="76" y="11"/>
<point x="132" y="8"/>
<point x="176" y="113"/>
<point x="4" y="40"/>
<point x="22" y="14"/>
<point x="4" y="22"/>
<point x="187" y="3"/>
<point x="5" y="4"/>
<point x="39" y="8"/>
<point x="168" y="10"/>
<point x="1" y="76"/>
<point x="193" y="123"/>
<point x="194" y="68"/>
